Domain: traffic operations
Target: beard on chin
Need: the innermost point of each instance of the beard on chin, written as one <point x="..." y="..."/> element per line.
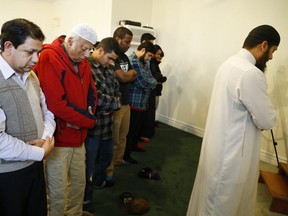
<point x="142" y="59"/>
<point x="261" y="63"/>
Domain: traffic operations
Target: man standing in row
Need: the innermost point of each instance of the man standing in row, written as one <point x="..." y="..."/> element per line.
<point x="125" y="75"/>
<point x="99" y="140"/>
<point x="26" y="125"/>
<point x="66" y="80"/>
<point x="139" y="93"/>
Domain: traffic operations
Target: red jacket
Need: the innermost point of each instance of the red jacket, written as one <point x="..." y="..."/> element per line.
<point x="68" y="94"/>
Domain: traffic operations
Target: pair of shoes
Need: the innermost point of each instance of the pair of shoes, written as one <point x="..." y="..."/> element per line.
<point x="130" y="160"/>
<point x="88" y="207"/>
<point x="149" y="173"/>
<point x="134" y="205"/>
<point x="144" y="139"/>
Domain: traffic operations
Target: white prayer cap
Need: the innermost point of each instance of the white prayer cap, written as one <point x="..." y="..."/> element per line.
<point x="86" y="32"/>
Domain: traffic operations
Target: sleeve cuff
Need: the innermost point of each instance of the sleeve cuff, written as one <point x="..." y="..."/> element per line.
<point x="37" y="153"/>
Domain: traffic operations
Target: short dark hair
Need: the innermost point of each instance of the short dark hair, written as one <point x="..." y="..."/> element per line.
<point x="262" y="33"/>
<point x="109" y="45"/>
<point x="149" y="47"/>
<point x="147" y="37"/>
<point x="62" y="37"/>
<point x="121" y="31"/>
<point x="18" y="30"/>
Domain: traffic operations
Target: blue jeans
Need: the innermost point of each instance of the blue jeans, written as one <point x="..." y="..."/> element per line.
<point x="98" y="158"/>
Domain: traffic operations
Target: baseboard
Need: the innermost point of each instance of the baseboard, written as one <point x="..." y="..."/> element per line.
<point x="271" y="158"/>
<point x="264" y="155"/>
<point x="180" y="125"/>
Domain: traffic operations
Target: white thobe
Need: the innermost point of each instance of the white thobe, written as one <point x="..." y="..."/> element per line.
<point x="226" y="180"/>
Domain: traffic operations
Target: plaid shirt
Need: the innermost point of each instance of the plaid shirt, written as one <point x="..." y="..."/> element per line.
<point x="142" y="85"/>
<point x="108" y="90"/>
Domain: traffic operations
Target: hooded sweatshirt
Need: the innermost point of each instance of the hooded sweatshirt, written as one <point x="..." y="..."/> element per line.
<point x="68" y="93"/>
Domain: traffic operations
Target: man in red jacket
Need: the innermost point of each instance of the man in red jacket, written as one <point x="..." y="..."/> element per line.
<point x="66" y="80"/>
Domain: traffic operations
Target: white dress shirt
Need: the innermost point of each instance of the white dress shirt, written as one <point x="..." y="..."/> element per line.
<point x="12" y="148"/>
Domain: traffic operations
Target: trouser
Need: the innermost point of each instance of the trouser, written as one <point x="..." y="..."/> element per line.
<point x="22" y="192"/>
<point x="98" y="158"/>
<point x="148" y="125"/>
<point x="136" y="120"/>
<point x="120" y="130"/>
<point x="65" y="173"/>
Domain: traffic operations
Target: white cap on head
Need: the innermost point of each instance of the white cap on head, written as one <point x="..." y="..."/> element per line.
<point x="86" y="32"/>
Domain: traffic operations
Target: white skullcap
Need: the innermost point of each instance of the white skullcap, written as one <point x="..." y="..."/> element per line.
<point x="86" y="32"/>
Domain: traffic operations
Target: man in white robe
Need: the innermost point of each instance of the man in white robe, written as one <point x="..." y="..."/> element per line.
<point x="226" y="180"/>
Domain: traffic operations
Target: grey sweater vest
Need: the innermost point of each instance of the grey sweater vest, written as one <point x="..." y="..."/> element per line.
<point x="21" y="104"/>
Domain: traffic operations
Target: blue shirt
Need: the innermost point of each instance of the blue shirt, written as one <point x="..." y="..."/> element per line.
<point x="142" y="85"/>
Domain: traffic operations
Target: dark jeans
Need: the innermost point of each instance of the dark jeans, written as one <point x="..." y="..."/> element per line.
<point x="23" y="192"/>
<point x="136" y="121"/>
<point x="148" y="125"/>
<point x="98" y="158"/>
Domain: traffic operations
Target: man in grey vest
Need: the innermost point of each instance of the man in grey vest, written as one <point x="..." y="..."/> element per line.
<point x="26" y="125"/>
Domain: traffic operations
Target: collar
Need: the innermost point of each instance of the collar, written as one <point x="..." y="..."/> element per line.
<point x="8" y="72"/>
<point x="248" y="55"/>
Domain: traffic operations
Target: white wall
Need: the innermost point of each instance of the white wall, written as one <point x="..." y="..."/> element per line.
<point x="68" y="13"/>
<point x="38" y="12"/>
<point x="56" y="17"/>
<point x="196" y="37"/>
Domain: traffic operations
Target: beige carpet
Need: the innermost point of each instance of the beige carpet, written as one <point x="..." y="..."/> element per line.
<point x="263" y="196"/>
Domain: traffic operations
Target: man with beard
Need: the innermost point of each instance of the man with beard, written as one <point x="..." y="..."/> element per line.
<point x="121" y="119"/>
<point x="139" y="93"/>
<point x="98" y="143"/>
<point x="226" y="180"/>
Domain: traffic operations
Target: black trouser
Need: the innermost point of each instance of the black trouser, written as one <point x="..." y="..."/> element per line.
<point x="136" y="120"/>
<point x="23" y="192"/>
<point x="148" y="125"/>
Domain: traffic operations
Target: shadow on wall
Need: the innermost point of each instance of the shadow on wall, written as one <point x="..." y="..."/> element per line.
<point x="279" y="97"/>
<point x="168" y="103"/>
<point x="178" y="93"/>
<point x="186" y="94"/>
